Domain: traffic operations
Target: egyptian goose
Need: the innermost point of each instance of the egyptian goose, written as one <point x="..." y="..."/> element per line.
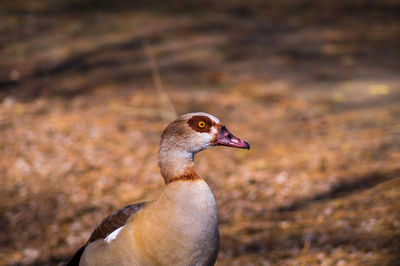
<point x="181" y="227"/>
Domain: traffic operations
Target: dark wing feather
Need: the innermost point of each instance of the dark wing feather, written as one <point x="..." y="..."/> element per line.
<point x="111" y="223"/>
<point x="77" y="257"/>
<point x="115" y="220"/>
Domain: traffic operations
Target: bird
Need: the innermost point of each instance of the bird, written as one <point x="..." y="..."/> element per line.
<point x="181" y="226"/>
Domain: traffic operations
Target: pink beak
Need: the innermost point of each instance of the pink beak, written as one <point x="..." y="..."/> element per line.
<point x="226" y="138"/>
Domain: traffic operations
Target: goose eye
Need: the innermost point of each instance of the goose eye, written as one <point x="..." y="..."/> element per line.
<point x="201" y="124"/>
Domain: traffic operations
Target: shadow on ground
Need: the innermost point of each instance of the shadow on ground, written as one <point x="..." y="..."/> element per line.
<point x="303" y="47"/>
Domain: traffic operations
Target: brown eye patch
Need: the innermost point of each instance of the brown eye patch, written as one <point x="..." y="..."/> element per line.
<point x="201" y="123"/>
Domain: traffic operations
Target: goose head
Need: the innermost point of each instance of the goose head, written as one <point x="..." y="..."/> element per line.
<point x="188" y="135"/>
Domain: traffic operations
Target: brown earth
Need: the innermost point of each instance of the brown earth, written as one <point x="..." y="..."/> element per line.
<point x="313" y="86"/>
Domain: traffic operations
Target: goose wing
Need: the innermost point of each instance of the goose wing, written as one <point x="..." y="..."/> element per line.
<point x="109" y="224"/>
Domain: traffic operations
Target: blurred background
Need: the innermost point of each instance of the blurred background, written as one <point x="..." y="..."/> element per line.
<point x="312" y="85"/>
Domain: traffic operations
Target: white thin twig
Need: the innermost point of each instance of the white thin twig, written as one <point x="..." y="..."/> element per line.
<point x="158" y="84"/>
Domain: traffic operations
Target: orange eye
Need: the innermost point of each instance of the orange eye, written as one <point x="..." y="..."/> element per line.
<point x="201" y="124"/>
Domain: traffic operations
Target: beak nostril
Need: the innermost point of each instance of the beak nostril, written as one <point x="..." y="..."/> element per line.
<point x="228" y="139"/>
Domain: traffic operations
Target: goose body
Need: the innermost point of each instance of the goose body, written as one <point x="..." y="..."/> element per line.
<point x="181" y="227"/>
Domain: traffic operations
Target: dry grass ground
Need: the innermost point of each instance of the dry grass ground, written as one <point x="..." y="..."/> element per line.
<point x="314" y="87"/>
